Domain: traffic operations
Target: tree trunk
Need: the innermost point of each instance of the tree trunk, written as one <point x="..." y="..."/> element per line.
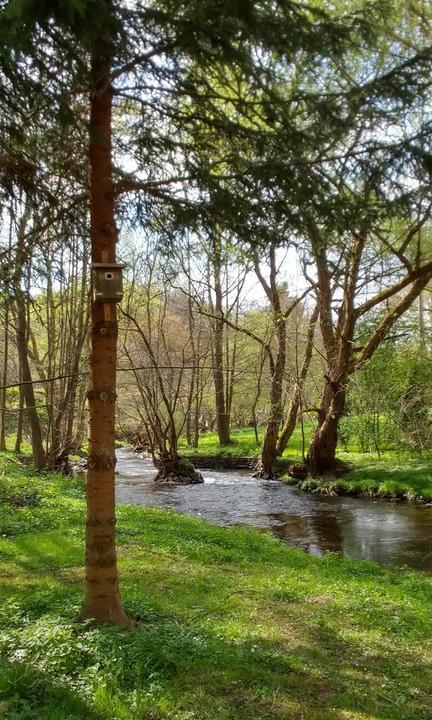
<point x="4" y="382"/>
<point x="27" y="388"/>
<point x="277" y="367"/>
<point x="322" y="449"/>
<point x="62" y="417"/>
<point x="199" y="392"/>
<point x="290" y="422"/>
<point x="58" y="456"/>
<point x="337" y="340"/>
<point x="257" y="396"/>
<point x="3" y="396"/>
<point x="268" y="451"/>
<point x="222" y="419"/>
<point x="291" y="419"/>
<point x="102" y="601"/>
<point x="19" y="433"/>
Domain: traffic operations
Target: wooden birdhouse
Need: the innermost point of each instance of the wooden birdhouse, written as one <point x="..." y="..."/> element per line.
<point x="107" y="282"/>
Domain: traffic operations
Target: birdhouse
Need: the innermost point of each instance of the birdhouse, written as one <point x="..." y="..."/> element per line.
<point x="107" y="282"/>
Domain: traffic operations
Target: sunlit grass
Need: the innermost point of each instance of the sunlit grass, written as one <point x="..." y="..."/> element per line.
<point x="232" y="624"/>
<point x="392" y="474"/>
<point x="244" y="443"/>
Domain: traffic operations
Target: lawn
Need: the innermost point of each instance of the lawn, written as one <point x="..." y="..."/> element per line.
<point x="232" y="623"/>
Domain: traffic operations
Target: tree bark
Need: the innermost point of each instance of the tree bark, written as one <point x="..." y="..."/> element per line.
<point x="222" y="419"/>
<point x="102" y="601"/>
<point x="27" y="389"/>
<point x="268" y="451"/>
<point x="4" y="381"/>
<point x="338" y="342"/>
<point x="277" y="368"/>
<point x="19" y="433"/>
<point x="291" y="420"/>
<point x="195" y="361"/>
<point x="342" y="357"/>
<point x="322" y="449"/>
<point x="3" y="396"/>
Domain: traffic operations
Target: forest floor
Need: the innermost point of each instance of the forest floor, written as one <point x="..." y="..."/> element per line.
<point x="233" y="624"/>
<point x="401" y="474"/>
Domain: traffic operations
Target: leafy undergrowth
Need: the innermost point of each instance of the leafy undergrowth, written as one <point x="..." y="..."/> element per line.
<point x="29" y="497"/>
<point x="233" y="624"/>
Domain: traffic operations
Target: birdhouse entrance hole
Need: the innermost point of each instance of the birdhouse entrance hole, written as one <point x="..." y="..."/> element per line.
<point x="107" y="282"/>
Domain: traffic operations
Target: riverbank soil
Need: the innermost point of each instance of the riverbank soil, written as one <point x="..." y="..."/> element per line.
<point x="231" y="624"/>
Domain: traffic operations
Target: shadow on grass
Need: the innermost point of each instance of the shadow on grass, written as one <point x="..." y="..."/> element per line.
<point x="30" y="694"/>
<point x="178" y="670"/>
<point x="234" y="625"/>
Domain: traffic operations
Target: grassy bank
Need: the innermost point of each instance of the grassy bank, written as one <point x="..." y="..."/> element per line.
<point x="233" y="624"/>
<point x="395" y="475"/>
<point x="392" y="474"/>
<point x="244" y="443"/>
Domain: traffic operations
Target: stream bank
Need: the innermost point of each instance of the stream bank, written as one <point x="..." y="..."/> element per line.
<point x="387" y="532"/>
<point x="409" y="482"/>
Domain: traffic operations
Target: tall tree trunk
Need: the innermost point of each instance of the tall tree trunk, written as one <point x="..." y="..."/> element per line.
<point x="102" y="601"/>
<point x="338" y="347"/>
<point x="222" y="422"/>
<point x="4" y="382"/>
<point x="58" y="457"/>
<point x="195" y="360"/>
<point x="198" y="402"/>
<point x="277" y="368"/>
<point x="268" y="450"/>
<point x="222" y="419"/>
<point x="291" y="419"/>
<point x="290" y="422"/>
<point x="27" y="388"/>
<point x="19" y="434"/>
<point x="3" y="395"/>
<point x="322" y="449"/>
<point x="257" y="395"/>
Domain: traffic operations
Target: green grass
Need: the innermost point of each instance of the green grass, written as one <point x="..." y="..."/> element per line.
<point x="25" y="443"/>
<point x="234" y="625"/>
<point x="391" y="475"/>
<point x="243" y="443"/>
<point x="396" y="475"/>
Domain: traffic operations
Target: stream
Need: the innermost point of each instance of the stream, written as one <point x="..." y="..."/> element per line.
<point x="388" y="532"/>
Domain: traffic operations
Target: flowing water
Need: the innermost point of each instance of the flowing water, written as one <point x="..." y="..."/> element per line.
<point x="388" y="532"/>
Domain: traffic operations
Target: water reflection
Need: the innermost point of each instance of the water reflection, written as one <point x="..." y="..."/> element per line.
<point x="389" y="533"/>
<point x="317" y="533"/>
